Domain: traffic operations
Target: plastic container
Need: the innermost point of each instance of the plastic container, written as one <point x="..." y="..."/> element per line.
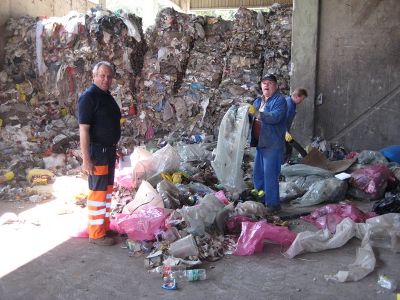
<point x="190" y="275"/>
<point x="184" y="247"/>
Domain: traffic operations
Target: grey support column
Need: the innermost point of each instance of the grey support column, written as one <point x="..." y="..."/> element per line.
<point x="304" y="64"/>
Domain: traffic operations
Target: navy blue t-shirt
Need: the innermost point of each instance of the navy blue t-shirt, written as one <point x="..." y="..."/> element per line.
<point x="99" y="110"/>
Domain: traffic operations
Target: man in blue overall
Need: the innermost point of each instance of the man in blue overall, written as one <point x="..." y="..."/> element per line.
<point x="270" y="110"/>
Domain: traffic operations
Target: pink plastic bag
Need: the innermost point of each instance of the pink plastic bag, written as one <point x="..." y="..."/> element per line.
<point x="221" y="196"/>
<point x="330" y="215"/>
<point x="234" y="224"/>
<point x="372" y="179"/>
<point x="124" y="177"/>
<point x="253" y="234"/>
<point x="143" y="224"/>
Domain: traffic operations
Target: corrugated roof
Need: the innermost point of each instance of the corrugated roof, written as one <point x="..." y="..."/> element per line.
<point x="221" y="4"/>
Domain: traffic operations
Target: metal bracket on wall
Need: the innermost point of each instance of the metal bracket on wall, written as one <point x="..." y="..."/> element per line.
<point x="319" y="99"/>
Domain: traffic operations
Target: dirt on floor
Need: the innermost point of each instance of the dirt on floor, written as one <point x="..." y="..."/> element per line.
<point x="40" y="260"/>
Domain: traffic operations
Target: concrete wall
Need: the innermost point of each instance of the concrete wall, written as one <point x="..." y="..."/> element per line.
<point x="356" y="99"/>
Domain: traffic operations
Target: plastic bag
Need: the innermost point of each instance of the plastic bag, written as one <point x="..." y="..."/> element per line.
<point x="289" y="191"/>
<point x="391" y="204"/>
<point x="143" y="224"/>
<point x="326" y="190"/>
<point x="145" y="196"/>
<point x="166" y="159"/>
<point x="234" y="224"/>
<point x="328" y="216"/>
<point x="232" y="138"/>
<point x="253" y="234"/>
<point x="142" y="165"/>
<point x="124" y="177"/>
<point x="173" y="198"/>
<point x="372" y="180"/>
<point x="391" y="153"/>
<point x="201" y="216"/>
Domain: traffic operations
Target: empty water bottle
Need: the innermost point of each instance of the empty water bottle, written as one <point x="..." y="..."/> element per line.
<point x="190" y="275"/>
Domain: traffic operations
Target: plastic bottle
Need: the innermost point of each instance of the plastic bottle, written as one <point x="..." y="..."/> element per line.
<point x="190" y="275"/>
<point x="167" y="270"/>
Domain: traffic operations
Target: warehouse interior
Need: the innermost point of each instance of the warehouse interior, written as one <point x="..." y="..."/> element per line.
<point x="185" y="73"/>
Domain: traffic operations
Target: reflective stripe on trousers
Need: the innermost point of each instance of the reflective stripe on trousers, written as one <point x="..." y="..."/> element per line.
<point x="101" y="187"/>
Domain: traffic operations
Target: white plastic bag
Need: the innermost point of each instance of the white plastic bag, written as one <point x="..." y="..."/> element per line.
<point x="232" y="139"/>
<point x="145" y="196"/>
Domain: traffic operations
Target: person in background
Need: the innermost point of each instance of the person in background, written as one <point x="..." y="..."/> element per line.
<point x="100" y="130"/>
<point x="270" y="111"/>
<point x="292" y="101"/>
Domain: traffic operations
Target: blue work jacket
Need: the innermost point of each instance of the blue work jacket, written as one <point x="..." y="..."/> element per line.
<point x="291" y="112"/>
<point x="273" y="121"/>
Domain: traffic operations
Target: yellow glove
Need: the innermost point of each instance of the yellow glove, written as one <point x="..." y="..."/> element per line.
<point x="252" y="110"/>
<point x="288" y="137"/>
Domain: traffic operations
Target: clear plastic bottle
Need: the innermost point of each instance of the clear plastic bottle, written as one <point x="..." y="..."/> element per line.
<point x="190" y="275"/>
<point x="166" y="271"/>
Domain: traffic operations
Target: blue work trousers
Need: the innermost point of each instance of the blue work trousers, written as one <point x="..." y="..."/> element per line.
<point x="267" y="167"/>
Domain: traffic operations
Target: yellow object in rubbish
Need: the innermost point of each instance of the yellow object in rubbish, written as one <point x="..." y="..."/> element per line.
<point x="288" y="137"/>
<point x="252" y="109"/>
<point x="39" y="176"/>
<point x="122" y="121"/>
<point x="166" y="176"/>
<point x="7" y="176"/>
<point x="1" y="122"/>
<point x="20" y="91"/>
<point x="177" y="177"/>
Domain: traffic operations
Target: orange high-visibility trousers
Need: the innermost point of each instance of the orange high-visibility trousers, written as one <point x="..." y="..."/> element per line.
<point x="101" y="187"/>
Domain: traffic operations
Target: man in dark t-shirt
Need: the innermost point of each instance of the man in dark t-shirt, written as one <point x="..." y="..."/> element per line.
<point x="100" y="131"/>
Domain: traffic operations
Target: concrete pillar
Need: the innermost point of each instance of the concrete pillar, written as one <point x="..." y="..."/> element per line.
<point x="304" y="64"/>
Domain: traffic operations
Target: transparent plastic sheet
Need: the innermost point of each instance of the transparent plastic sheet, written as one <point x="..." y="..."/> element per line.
<point x="166" y="159"/>
<point x="372" y="180"/>
<point x="173" y="198"/>
<point x="381" y="231"/>
<point x="199" y="188"/>
<point x="368" y="157"/>
<point x="391" y="204"/>
<point x="254" y="233"/>
<point x="251" y="208"/>
<point x="193" y="152"/>
<point x="289" y="191"/>
<point x="232" y="138"/>
<point x="143" y="224"/>
<point x="304" y="170"/>
<point x="146" y="164"/>
<point x="308" y="241"/>
<point x="326" y="190"/>
<point x="201" y="216"/>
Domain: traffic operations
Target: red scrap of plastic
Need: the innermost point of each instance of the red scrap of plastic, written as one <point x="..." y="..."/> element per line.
<point x="372" y="178"/>
<point x="234" y="224"/>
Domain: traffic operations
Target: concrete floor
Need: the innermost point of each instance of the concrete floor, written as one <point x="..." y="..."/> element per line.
<point x="40" y="261"/>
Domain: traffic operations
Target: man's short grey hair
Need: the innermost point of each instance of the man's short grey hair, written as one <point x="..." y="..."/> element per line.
<point x="102" y="63"/>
